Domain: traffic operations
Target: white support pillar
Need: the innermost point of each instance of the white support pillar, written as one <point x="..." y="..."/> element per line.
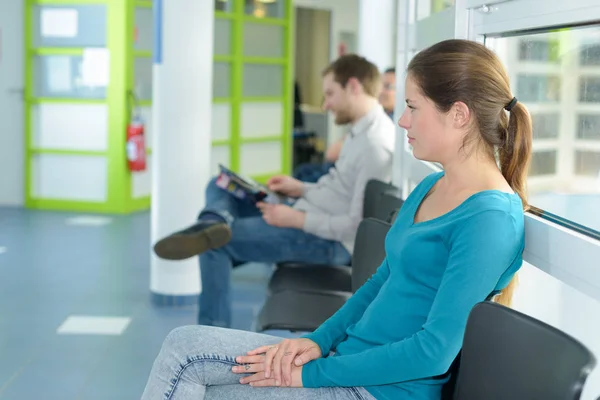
<point x="181" y="108"/>
<point x="377" y="31"/>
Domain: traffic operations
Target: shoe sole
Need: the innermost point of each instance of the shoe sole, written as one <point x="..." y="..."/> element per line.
<point x="182" y="246"/>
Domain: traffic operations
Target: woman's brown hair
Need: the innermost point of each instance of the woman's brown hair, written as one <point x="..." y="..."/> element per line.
<point x="464" y="71"/>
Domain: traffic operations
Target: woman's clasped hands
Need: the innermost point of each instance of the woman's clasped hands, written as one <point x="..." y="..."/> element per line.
<point x="277" y="365"/>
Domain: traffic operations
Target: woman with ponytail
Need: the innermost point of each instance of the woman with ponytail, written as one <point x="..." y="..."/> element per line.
<point x="457" y="240"/>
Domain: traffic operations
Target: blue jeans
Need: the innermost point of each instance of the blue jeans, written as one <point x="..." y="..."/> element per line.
<point x="253" y="240"/>
<point x="195" y="363"/>
<point x="310" y="172"/>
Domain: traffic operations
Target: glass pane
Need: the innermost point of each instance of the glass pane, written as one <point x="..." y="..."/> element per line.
<point x="69" y="26"/>
<point x="223" y="5"/>
<point x="543" y="163"/>
<point x="144" y="29"/>
<point x="262" y="8"/>
<point x="263" y="40"/>
<point x="539" y="50"/>
<point x="64" y="76"/>
<point x="544" y="125"/>
<point x="221" y="79"/>
<point x="557" y="76"/>
<point x="263" y="80"/>
<point x="143" y="78"/>
<point x="588" y="127"/>
<point x="222" y="37"/>
<point x="589" y="89"/>
<point x="587" y="163"/>
<point x="538" y="88"/>
<point x="590" y="55"/>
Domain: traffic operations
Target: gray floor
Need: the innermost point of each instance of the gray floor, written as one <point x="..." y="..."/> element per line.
<point x="50" y="270"/>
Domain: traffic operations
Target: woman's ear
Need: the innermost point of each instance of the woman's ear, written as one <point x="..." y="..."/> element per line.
<point x="461" y="115"/>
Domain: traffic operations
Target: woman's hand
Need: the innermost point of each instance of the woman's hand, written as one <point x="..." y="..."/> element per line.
<point x="255" y="365"/>
<point x="259" y="380"/>
<point x="250" y="364"/>
<point x="281" y="362"/>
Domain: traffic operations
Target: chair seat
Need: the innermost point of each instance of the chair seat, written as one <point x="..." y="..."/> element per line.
<point x="299" y="311"/>
<point x="312" y="278"/>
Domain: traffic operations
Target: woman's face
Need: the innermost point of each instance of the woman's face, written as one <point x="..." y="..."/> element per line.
<point x="430" y="132"/>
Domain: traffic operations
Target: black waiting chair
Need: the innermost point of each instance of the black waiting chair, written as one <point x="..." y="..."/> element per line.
<point x="306" y="310"/>
<point x="374" y="190"/>
<point x="509" y="355"/>
<point x="381" y="200"/>
<point x="450" y="386"/>
<point x="388" y="204"/>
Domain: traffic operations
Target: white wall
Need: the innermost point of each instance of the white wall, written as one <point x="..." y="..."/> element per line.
<point x="12" y="82"/>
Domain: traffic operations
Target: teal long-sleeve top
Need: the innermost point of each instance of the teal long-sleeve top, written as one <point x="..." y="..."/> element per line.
<point x="399" y="333"/>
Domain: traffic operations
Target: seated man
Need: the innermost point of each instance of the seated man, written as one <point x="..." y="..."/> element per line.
<point x="320" y="226"/>
<point x="311" y="172"/>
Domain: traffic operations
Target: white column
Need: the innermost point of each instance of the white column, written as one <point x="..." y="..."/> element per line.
<point x="377" y="31"/>
<point x="182" y="104"/>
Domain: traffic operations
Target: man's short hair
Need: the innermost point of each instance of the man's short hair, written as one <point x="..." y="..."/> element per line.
<point x="354" y="66"/>
<point x="391" y="70"/>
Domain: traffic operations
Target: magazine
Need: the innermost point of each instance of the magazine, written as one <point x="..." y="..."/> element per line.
<point x="245" y="188"/>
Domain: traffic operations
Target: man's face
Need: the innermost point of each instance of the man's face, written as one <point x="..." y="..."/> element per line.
<point x="337" y="100"/>
<point x="387" y="98"/>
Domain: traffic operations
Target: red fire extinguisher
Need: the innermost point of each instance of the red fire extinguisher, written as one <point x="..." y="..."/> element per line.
<point x="136" y="144"/>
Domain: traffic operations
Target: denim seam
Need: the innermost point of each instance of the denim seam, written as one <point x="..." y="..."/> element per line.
<point x="357" y="393"/>
<point x="193" y="360"/>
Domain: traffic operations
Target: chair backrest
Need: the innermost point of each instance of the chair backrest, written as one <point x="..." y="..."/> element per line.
<point x="388" y="206"/>
<point x="369" y="250"/>
<point x="509" y="355"/>
<point x="373" y="192"/>
<point x="449" y="387"/>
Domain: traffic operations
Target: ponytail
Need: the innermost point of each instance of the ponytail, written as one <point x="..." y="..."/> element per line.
<point x="515" y="154"/>
<point x="514" y="157"/>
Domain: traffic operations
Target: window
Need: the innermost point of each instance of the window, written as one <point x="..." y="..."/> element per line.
<point x="545" y="125"/>
<point x="587" y="163"/>
<point x="589" y="89"/>
<point x="590" y="55"/>
<point x="588" y="127"/>
<point x="557" y="76"/>
<point x="538" y="88"/>
<point x="543" y="163"/>
<point x="539" y="50"/>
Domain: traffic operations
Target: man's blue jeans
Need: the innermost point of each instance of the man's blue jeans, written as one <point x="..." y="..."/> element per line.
<point x="253" y="240"/>
<point x="311" y="172"/>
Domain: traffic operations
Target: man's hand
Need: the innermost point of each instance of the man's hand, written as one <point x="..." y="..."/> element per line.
<point x="286" y="185"/>
<point x="281" y="215"/>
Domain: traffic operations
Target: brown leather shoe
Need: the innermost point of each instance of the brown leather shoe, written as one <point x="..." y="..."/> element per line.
<point x="192" y="241"/>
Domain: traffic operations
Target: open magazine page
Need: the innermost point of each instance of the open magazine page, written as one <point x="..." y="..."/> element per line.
<point x="245" y="188"/>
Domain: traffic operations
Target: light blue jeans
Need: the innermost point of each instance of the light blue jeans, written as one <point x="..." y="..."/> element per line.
<point x="253" y="240"/>
<point x="195" y="363"/>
